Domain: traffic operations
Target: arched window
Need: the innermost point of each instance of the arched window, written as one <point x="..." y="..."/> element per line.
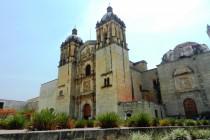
<point x="156" y="113"/>
<point x="1" y="105"/>
<point x="87" y="70"/>
<point x="61" y="93"/>
<point x="105" y="33"/>
<point x="107" y="81"/>
<point x="154" y="83"/>
<point x="128" y="115"/>
<point x="140" y="87"/>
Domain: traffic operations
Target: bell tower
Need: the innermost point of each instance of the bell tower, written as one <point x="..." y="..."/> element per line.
<point x="110" y="29"/>
<point x="66" y="73"/>
<point x="113" y="82"/>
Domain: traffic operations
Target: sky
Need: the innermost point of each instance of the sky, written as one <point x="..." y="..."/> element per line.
<point x="31" y="32"/>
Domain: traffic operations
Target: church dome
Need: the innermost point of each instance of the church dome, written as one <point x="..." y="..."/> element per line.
<point x="110" y="16"/>
<point x="183" y="50"/>
<point x="73" y="38"/>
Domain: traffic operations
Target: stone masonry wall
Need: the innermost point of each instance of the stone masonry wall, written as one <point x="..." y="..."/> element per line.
<point x="12" y="104"/>
<point x="85" y="134"/>
<point x="193" y="82"/>
<point x="47" y="95"/>
<point x="140" y="106"/>
<point x="136" y="82"/>
<point x="112" y="62"/>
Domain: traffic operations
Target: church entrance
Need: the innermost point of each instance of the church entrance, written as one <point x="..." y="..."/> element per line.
<point x="86" y="111"/>
<point x="190" y="108"/>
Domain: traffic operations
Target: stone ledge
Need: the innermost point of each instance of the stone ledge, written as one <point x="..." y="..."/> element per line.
<point x="83" y="134"/>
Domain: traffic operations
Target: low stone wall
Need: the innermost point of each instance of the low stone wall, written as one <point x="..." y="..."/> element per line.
<point x="83" y="134"/>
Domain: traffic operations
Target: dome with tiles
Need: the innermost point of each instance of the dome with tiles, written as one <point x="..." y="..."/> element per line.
<point x="183" y="50"/>
<point x="110" y="16"/>
<point x="73" y="38"/>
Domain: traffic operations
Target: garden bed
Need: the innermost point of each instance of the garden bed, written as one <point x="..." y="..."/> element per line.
<point x="48" y="124"/>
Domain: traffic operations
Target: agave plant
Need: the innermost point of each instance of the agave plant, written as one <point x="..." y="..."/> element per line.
<point x="80" y="123"/>
<point x="141" y="136"/>
<point x="140" y="120"/>
<point x="108" y="120"/>
<point x="44" y="120"/>
<point x="61" y="120"/>
<point x="178" y="134"/>
<point x="200" y="134"/>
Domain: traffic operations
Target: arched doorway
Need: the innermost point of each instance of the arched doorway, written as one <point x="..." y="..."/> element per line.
<point x="190" y="108"/>
<point x="86" y="111"/>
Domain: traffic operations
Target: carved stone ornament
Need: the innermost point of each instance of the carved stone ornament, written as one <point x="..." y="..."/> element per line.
<point x="86" y="86"/>
<point x="184" y="79"/>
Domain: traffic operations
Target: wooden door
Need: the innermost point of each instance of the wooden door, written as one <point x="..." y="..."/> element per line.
<point x="190" y="108"/>
<point x="86" y="111"/>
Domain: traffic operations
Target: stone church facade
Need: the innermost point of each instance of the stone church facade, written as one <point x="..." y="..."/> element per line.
<point x="96" y="76"/>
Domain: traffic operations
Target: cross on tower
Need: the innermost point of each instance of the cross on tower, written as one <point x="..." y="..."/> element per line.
<point x="109" y="2"/>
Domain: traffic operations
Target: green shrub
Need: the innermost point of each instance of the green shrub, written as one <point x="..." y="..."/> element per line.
<point x="80" y="124"/>
<point x="155" y="122"/>
<point x="108" y="120"/>
<point x="15" y="122"/>
<point x="200" y="134"/>
<point x="178" y="134"/>
<point x="61" y="120"/>
<point x="90" y="123"/>
<point x="199" y="122"/>
<point x="84" y="123"/>
<point x="172" y="121"/>
<point x="44" y="120"/>
<point x="167" y="122"/>
<point x="164" y="122"/>
<point x="140" y="120"/>
<point x="141" y="136"/>
<point x="179" y="122"/>
<point x="3" y="124"/>
<point x="96" y="123"/>
<point x="190" y="122"/>
<point x="205" y="122"/>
